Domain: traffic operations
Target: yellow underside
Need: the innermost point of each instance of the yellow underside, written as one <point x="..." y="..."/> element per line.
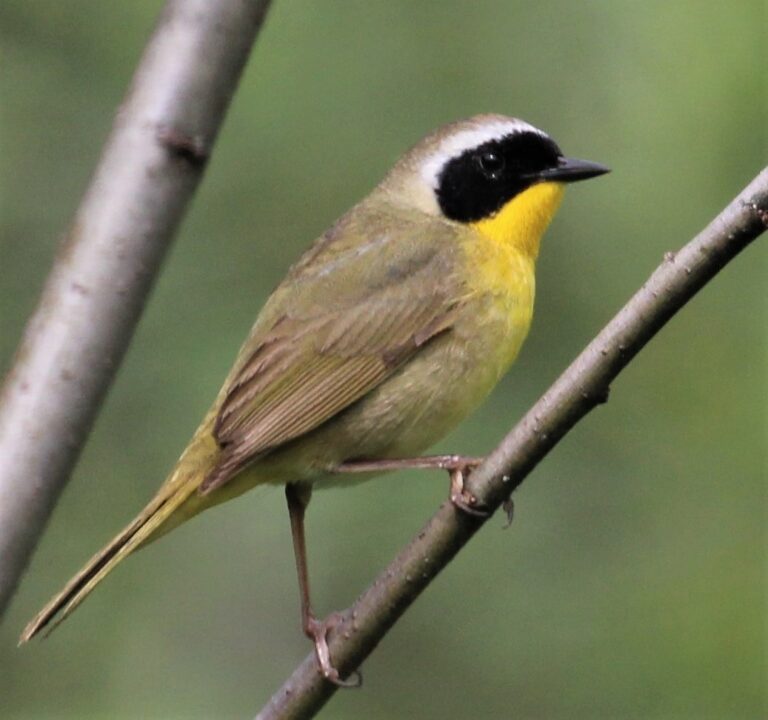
<point x="501" y="257"/>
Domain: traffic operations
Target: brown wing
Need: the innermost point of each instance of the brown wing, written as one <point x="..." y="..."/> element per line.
<point x="310" y="365"/>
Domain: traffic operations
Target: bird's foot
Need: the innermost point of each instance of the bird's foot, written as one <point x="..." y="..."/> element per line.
<point x="317" y="631"/>
<point x="460" y="496"/>
<point x="458" y="467"/>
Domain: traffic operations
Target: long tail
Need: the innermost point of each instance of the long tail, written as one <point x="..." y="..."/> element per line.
<point x="97" y="568"/>
<point x="154" y="520"/>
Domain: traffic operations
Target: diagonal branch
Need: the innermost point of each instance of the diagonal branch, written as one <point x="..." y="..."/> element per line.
<point x="579" y="389"/>
<point x="149" y="168"/>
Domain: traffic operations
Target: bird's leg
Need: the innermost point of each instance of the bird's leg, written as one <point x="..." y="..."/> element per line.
<point x="458" y="467"/>
<point x="298" y="497"/>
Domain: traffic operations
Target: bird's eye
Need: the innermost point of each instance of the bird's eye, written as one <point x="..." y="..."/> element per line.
<point x="491" y="163"/>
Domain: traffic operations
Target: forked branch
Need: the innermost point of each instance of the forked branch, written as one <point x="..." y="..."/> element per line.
<point x="580" y="388"/>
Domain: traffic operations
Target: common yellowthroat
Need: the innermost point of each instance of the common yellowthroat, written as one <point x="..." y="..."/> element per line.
<point x="390" y="329"/>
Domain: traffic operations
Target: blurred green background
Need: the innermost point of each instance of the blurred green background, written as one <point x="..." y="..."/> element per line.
<point x="633" y="582"/>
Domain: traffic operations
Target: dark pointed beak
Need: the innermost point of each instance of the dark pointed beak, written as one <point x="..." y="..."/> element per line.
<point x="570" y="170"/>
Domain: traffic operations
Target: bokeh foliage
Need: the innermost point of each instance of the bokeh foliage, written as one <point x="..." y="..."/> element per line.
<point x="633" y="582"/>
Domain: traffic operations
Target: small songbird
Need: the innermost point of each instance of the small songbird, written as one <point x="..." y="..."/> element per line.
<point x="390" y="329"/>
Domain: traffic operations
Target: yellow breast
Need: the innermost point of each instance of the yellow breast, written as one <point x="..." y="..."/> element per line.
<point x="501" y="258"/>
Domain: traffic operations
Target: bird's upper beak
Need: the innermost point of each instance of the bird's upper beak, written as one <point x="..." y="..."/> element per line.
<point x="570" y="170"/>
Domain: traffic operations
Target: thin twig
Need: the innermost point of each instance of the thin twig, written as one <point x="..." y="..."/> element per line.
<point x="580" y="388"/>
<point x="149" y="168"/>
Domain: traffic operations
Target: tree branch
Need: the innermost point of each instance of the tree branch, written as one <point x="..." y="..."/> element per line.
<point x="149" y="168"/>
<point x="580" y="388"/>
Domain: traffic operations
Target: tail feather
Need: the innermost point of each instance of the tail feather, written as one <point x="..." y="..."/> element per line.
<point x="139" y="531"/>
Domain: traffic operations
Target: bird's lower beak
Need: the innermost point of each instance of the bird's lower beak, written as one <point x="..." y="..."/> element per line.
<point x="570" y="170"/>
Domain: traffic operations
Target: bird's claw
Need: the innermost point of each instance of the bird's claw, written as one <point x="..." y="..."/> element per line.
<point x="508" y="506"/>
<point x="461" y="497"/>
<point x="318" y="631"/>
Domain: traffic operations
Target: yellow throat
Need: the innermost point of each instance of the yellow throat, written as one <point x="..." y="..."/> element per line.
<point x="503" y="253"/>
<point x="520" y="224"/>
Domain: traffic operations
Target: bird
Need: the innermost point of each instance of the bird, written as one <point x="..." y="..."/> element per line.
<point x="391" y="328"/>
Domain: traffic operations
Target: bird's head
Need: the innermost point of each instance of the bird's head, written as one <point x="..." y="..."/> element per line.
<point x="497" y="173"/>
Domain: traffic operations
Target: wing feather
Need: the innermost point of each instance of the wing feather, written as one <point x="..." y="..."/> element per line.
<point x="313" y="361"/>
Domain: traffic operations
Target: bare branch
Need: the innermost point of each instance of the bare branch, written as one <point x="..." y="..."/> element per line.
<point x="580" y="388"/>
<point x="73" y="344"/>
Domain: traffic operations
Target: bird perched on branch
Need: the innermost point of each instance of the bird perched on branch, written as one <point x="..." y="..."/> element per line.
<point x="391" y="328"/>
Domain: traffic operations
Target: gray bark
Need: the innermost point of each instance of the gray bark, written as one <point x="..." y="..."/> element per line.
<point x="150" y="166"/>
